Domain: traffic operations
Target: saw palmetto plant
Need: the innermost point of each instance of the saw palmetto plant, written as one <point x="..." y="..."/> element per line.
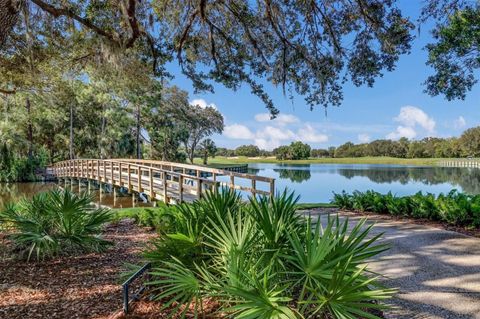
<point x="263" y="260"/>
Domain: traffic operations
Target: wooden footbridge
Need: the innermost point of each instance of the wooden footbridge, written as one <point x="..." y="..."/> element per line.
<point x="165" y="181"/>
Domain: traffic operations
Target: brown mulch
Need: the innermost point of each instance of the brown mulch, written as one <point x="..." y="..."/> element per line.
<point x="85" y="286"/>
<point x="147" y="309"/>
<point x="475" y="232"/>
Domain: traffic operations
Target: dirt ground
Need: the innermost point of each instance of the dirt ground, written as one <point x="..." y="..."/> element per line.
<point x="86" y="286"/>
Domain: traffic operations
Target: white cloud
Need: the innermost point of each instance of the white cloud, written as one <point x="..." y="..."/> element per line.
<point x="202" y="103"/>
<point x="402" y="131"/>
<point x="238" y="132"/>
<point x="262" y="117"/>
<point x="276" y="133"/>
<point x="272" y="136"/>
<point x="364" y="138"/>
<point x="411" y="118"/>
<point x="281" y="119"/>
<point x="460" y="122"/>
<point x="266" y="144"/>
<point x="309" y="134"/>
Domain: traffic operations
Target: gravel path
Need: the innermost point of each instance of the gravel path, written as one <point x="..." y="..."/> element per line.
<point x="436" y="271"/>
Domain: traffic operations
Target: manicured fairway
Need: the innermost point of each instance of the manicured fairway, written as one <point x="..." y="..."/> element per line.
<point x="346" y="160"/>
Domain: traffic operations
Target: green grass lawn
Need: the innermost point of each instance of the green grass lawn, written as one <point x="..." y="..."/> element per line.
<point x="348" y="160"/>
<point x="121" y="213"/>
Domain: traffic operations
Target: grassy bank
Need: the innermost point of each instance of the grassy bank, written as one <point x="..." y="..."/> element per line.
<point x="139" y="213"/>
<point x="348" y="160"/>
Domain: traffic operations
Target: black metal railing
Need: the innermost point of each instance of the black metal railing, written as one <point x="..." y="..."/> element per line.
<point x="135" y="294"/>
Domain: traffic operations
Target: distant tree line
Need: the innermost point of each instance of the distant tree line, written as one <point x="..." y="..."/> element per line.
<point x="468" y="144"/>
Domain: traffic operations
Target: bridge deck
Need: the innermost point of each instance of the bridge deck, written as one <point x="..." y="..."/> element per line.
<point x="160" y="180"/>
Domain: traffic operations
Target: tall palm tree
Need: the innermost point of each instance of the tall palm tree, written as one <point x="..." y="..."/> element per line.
<point x="207" y="148"/>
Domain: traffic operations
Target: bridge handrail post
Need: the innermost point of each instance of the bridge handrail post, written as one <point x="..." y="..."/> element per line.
<point x="120" y="173"/>
<point x="215" y="187"/>
<point x="150" y="174"/>
<point x="199" y="183"/>
<point x="139" y="171"/>
<point x="180" y="189"/>
<point x="165" y="186"/>
<point x="272" y="188"/>
<point x="104" y="171"/>
<point x="111" y="173"/>
<point x="98" y="170"/>
<point x="129" y="178"/>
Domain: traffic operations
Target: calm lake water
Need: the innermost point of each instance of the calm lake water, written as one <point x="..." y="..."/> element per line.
<point x="314" y="182"/>
<point x="15" y="191"/>
<point x="317" y="182"/>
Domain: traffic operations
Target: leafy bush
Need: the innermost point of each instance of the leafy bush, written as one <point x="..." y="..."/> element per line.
<point x="161" y="218"/>
<point x="454" y="208"/>
<point x="53" y="223"/>
<point x="263" y="260"/>
<point x="15" y="168"/>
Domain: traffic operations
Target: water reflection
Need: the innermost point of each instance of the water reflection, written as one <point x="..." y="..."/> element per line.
<point x="12" y="192"/>
<point x="294" y="175"/>
<point x="119" y="198"/>
<point x="465" y="178"/>
<point x="316" y="182"/>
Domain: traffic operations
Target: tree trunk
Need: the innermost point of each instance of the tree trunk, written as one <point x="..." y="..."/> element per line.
<point x="205" y="158"/>
<point x="139" y="152"/>
<point x="137" y="137"/>
<point x="101" y="142"/>
<point x="29" y="128"/>
<point x="72" y="155"/>
<point x="190" y="152"/>
<point x="9" y="12"/>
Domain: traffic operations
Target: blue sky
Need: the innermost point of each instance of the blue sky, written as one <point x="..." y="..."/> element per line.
<point x="396" y="106"/>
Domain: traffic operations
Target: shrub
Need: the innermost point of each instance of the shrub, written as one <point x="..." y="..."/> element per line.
<point x="342" y="200"/>
<point x="263" y="260"/>
<point x="161" y="218"/>
<point x="247" y="150"/>
<point x="454" y="208"/>
<point x="53" y="223"/>
<point x="15" y="168"/>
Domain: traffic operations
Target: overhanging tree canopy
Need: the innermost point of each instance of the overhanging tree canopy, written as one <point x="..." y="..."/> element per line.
<point x="310" y="47"/>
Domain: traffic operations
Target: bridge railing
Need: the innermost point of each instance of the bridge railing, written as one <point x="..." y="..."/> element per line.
<point x="469" y="162"/>
<point x="161" y="180"/>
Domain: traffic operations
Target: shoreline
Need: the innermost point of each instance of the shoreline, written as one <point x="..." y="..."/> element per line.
<point x="221" y="160"/>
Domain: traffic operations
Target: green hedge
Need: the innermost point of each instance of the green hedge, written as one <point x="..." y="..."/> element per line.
<point x="454" y="208"/>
